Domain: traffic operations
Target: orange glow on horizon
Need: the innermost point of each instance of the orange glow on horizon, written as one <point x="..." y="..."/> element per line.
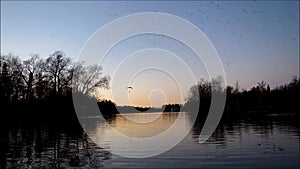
<point x="141" y="99"/>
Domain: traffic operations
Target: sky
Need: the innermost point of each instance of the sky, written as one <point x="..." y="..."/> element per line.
<point x="256" y="41"/>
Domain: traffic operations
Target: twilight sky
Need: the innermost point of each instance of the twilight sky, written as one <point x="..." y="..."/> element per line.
<point x="256" y="40"/>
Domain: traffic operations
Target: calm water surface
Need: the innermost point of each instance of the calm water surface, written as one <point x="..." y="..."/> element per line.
<point x="265" y="142"/>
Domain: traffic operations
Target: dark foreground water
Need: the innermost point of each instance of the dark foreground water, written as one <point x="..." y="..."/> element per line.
<point x="263" y="142"/>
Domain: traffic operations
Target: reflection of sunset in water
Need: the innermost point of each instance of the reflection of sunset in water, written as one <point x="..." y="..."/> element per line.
<point x="122" y="124"/>
<point x="133" y="128"/>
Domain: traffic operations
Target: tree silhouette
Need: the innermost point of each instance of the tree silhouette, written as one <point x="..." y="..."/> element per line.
<point x="43" y="79"/>
<point x="49" y="81"/>
<point x="11" y="81"/>
<point x="5" y="83"/>
<point x="87" y="79"/>
<point x="57" y="68"/>
<point x="29" y="70"/>
<point x="259" y="99"/>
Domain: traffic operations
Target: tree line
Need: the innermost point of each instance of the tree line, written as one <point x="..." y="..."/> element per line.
<point x="258" y="100"/>
<point x="43" y="79"/>
<point x="35" y="82"/>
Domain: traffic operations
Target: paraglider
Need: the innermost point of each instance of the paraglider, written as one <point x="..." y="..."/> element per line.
<point x="129" y="88"/>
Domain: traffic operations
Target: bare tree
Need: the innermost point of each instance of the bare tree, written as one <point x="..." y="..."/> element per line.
<point x="57" y="68"/>
<point x="42" y="79"/>
<point x="29" y="69"/>
<point x="216" y="84"/>
<point x="262" y="86"/>
<point x="41" y="85"/>
<point x="86" y="79"/>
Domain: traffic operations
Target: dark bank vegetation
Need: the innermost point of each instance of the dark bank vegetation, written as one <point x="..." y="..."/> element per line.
<point x="42" y="89"/>
<point x="171" y="107"/>
<point x="258" y="101"/>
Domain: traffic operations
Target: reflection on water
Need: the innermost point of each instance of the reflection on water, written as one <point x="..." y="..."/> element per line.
<point x="137" y="140"/>
<point x="44" y="147"/>
<point x="264" y="142"/>
<point x="133" y="124"/>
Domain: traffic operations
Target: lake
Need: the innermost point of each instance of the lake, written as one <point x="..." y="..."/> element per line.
<point x="270" y="141"/>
